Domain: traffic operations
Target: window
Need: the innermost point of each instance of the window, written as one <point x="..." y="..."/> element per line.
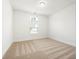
<point x="34" y="24"/>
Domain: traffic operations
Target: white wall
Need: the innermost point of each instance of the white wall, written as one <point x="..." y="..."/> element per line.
<point x="22" y="26"/>
<point x="7" y="26"/>
<point x="62" y="25"/>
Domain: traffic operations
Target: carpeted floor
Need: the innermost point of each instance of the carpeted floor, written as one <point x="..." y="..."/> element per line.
<point x="40" y="49"/>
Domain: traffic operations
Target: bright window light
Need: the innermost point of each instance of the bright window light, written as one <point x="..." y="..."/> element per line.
<point x="34" y="25"/>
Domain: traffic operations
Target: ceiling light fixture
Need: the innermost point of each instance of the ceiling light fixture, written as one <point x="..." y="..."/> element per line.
<point x="42" y="3"/>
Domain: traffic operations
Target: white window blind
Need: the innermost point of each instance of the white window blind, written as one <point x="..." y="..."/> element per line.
<point x="34" y="24"/>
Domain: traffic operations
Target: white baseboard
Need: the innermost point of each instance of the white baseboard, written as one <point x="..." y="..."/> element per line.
<point x="26" y="39"/>
<point x="66" y="42"/>
<point x="6" y="49"/>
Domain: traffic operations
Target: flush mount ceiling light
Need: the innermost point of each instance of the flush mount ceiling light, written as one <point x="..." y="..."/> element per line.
<point x="42" y="3"/>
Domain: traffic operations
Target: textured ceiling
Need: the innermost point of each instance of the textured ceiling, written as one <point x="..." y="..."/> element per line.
<point x="52" y="6"/>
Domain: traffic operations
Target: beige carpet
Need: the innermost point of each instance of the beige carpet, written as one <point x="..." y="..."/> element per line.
<point x="40" y="49"/>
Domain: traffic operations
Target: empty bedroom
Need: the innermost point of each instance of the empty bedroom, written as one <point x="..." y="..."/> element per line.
<point x="39" y="29"/>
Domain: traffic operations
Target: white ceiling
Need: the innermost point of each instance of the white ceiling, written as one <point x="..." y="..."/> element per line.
<point x="51" y="7"/>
